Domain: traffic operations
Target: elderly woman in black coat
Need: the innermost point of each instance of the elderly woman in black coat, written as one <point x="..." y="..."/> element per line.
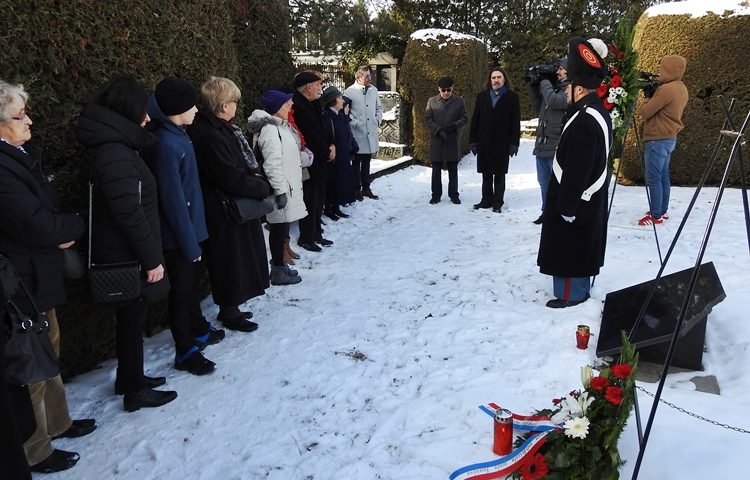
<point x="125" y="220"/>
<point x="236" y="252"/>
<point x="33" y="235"/>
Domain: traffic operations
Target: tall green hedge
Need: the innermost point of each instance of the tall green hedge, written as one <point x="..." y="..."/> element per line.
<point x="712" y="46"/>
<point x="425" y="61"/>
<point x="64" y="51"/>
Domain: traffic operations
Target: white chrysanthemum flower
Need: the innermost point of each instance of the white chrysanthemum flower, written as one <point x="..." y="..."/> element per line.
<point x="615" y="113"/>
<point x="624" y="94"/>
<point x="612" y="99"/>
<point x="577" y="427"/>
<point x="611" y="91"/>
<point x="619" y="90"/>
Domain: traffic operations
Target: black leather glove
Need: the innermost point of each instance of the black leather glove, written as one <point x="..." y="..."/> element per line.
<point x="442" y="135"/>
<point x="473" y="148"/>
<point x="513" y="150"/>
<point x="281" y="201"/>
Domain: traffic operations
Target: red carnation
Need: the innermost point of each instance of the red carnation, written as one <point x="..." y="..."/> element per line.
<point x="622" y="371"/>
<point x="556" y="401"/>
<point x="620" y="54"/>
<point x="535" y="468"/>
<point x="602" y="91"/>
<point x="599" y="383"/>
<point x="607" y="104"/>
<point x="616" y="81"/>
<point x="614" y="395"/>
<point x="612" y="48"/>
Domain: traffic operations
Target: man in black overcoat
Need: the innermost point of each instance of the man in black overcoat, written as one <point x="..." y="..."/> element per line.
<point x="494" y="136"/>
<point x="308" y="116"/>
<point x="571" y="247"/>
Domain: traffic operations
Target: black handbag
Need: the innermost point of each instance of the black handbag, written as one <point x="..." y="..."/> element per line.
<point x="243" y="209"/>
<point x="112" y="282"/>
<point x="28" y="354"/>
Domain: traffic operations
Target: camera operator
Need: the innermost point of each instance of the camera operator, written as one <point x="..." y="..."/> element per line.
<point x="551" y="102"/>
<point x="662" y="116"/>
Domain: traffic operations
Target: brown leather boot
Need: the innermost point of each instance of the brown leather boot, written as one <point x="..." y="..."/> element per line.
<point x="289" y="252"/>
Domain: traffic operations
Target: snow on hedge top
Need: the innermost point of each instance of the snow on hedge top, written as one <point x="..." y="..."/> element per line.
<point x="442" y="33"/>
<point x="700" y="8"/>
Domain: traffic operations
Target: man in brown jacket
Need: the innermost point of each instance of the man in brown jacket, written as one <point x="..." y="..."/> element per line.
<point x="662" y="115"/>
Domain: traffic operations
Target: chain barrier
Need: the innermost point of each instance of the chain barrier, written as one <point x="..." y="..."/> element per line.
<point x="694" y="415"/>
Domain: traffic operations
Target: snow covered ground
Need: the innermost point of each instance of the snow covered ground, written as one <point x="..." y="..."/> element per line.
<point x="373" y="367"/>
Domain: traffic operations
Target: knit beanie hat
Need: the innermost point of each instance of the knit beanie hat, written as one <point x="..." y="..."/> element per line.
<point x="175" y="96"/>
<point x="273" y="100"/>
<point x="305" y="77"/>
<point x="586" y="66"/>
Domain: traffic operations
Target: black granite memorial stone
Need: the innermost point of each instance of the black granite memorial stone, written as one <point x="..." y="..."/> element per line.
<point x="654" y="332"/>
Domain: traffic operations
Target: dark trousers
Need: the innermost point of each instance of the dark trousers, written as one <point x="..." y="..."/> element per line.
<point x="17" y="421"/>
<point x="330" y="196"/>
<point x="129" y="342"/>
<point x="437" y="180"/>
<point x="493" y="189"/>
<point x="186" y="321"/>
<point x="278" y="234"/>
<point x="313" y="193"/>
<point x="361" y="167"/>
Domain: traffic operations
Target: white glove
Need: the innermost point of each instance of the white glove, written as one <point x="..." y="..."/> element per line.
<point x="568" y="219"/>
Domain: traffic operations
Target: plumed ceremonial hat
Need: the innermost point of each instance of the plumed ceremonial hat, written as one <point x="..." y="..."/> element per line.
<point x="586" y="66"/>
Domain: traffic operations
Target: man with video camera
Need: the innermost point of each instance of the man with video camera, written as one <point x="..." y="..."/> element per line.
<point x="547" y="84"/>
<point x="662" y="116"/>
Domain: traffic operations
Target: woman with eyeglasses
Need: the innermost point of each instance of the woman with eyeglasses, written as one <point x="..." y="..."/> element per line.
<point x="33" y="234"/>
<point x="235" y="252"/>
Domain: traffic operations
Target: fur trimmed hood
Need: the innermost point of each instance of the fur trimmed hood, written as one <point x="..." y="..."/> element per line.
<point x="260" y="118"/>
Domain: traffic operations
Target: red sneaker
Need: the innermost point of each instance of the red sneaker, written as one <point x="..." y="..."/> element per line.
<point x="665" y="216"/>
<point x="649" y="220"/>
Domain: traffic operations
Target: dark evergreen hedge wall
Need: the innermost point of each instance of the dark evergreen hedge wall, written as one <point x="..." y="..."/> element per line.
<point x="712" y="46"/>
<point x="424" y="63"/>
<point x="63" y="51"/>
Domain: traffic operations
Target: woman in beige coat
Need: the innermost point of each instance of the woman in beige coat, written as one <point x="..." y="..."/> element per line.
<point x="280" y="150"/>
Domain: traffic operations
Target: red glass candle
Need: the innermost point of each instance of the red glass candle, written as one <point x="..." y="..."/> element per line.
<point x="503" y="441"/>
<point x="582" y="337"/>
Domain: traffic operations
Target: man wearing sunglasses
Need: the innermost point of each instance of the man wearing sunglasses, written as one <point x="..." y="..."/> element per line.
<point x="444" y="116"/>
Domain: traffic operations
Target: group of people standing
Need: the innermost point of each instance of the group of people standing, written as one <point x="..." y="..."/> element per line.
<point x="160" y="172"/>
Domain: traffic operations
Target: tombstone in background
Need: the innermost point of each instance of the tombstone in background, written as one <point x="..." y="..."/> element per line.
<point x="654" y="333"/>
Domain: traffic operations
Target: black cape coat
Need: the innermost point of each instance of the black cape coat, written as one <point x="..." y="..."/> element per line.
<point x="440" y="115"/>
<point x="31" y="226"/>
<point x="318" y="134"/>
<point x="493" y="130"/>
<point x="125" y="219"/>
<point x="576" y="249"/>
<point x="236" y="252"/>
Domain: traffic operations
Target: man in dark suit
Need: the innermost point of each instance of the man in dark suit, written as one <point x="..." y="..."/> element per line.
<point x="494" y="137"/>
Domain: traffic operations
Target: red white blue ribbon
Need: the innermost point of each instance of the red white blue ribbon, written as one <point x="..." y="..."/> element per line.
<point x="508" y="464"/>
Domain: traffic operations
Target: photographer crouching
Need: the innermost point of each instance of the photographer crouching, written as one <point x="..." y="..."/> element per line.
<point x="547" y="85"/>
<point x="662" y="116"/>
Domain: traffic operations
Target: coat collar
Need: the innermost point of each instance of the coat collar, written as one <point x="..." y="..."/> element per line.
<point x="30" y="159"/>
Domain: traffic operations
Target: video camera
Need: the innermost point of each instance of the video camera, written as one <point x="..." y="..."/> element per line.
<point x="546" y="71"/>
<point x="648" y="82"/>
